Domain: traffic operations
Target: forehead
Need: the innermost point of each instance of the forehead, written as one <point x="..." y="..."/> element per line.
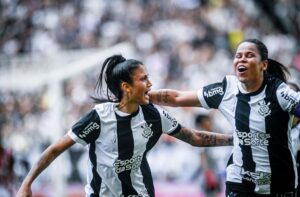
<point x="247" y="47"/>
<point x="140" y="70"/>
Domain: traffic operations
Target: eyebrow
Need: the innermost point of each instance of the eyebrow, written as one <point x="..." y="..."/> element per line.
<point x="246" y="52"/>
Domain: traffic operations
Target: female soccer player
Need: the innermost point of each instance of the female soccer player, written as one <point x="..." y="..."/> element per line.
<point x="259" y="105"/>
<point x="120" y="133"/>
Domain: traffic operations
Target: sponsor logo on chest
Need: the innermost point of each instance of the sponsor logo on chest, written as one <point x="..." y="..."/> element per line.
<point x="133" y="163"/>
<point x="253" y="138"/>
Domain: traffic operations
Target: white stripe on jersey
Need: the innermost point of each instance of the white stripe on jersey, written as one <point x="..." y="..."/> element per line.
<point x="139" y="140"/>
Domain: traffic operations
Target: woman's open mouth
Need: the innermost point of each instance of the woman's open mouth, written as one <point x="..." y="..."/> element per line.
<point x="242" y="68"/>
<point x="146" y="93"/>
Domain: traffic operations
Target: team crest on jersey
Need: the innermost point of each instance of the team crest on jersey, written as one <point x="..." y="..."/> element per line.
<point x="147" y="132"/>
<point x="264" y="109"/>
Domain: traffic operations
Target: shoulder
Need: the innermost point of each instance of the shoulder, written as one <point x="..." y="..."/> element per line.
<point x="105" y="109"/>
<point x="231" y="81"/>
<point x="151" y="108"/>
<point x="231" y="78"/>
<point x="274" y="82"/>
<point x="228" y="85"/>
<point x="275" y="86"/>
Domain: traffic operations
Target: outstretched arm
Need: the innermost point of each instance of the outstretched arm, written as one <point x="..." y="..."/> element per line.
<point x="175" y="98"/>
<point x="46" y="158"/>
<point x="204" y="138"/>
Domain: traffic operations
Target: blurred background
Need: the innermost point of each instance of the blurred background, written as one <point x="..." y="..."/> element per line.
<point x="51" y="53"/>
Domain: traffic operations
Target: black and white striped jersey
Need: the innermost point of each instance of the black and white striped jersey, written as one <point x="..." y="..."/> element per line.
<point x="118" y="145"/>
<point x="262" y="152"/>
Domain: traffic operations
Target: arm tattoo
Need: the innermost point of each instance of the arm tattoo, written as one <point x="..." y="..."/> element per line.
<point x="209" y="139"/>
<point x="158" y="97"/>
<point x="165" y="98"/>
<point x="184" y="134"/>
<point x="204" y="138"/>
<point x="162" y="96"/>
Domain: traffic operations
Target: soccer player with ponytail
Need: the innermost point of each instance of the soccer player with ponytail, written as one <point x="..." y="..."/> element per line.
<point x="260" y="106"/>
<point x="119" y="131"/>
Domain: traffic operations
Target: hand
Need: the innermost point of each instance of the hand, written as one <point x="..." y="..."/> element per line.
<point x="24" y="191"/>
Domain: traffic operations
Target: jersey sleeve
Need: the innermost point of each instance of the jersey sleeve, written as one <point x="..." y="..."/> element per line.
<point x="87" y="129"/>
<point x="288" y="99"/>
<point x="169" y="124"/>
<point x="211" y="95"/>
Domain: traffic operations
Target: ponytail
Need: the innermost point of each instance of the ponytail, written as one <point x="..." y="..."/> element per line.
<point x="115" y="70"/>
<point x="277" y="70"/>
<point x="109" y="64"/>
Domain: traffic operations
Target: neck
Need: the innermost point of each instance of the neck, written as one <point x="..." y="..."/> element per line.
<point x="252" y="86"/>
<point x="128" y="107"/>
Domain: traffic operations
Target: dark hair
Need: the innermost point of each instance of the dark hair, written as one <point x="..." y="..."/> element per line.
<point x="275" y="68"/>
<point x="115" y="70"/>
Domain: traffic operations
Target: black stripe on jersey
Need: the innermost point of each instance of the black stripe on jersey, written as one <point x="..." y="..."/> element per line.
<point x="125" y="150"/>
<point x="230" y="160"/>
<point x="214" y="93"/>
<point x="147" y="176"/>
<point x="242" y="114"/>
<point x="283" y="175"/>
<point x="96" y="180"/>
<point x="151" y="116"/>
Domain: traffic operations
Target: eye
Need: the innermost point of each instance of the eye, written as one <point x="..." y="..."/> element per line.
<point x="238" y="55"/>
<point x="250" y="55"/>
<point x="144" y="78"/>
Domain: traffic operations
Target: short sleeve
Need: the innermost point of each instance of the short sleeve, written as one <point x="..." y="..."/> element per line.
<point x="211" y="95"/>
<point x="288" y="99"/>
<point x="169" y="124"/>
<point x="87" y="129"/>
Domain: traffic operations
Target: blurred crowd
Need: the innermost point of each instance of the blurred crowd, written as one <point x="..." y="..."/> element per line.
<point x="185" y="44"/>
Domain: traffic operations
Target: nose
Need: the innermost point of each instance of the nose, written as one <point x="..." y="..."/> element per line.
<point x="238" y="60"/>
<point x="242" y="58"/>
<point x="149" y="84"/>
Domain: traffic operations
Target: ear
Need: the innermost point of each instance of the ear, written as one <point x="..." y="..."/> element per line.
<point x="125" y="87"/>
<point x="264" y="65"/>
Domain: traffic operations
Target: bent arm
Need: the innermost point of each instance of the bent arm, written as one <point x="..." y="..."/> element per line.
<point x="46" y="158"/>
<point x="175" y="98"/>
<point x="204" y="138"/>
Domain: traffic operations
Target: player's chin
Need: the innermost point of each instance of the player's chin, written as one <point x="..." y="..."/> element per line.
<point x="145" y="101"/>
<point x="242" y="79"/>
